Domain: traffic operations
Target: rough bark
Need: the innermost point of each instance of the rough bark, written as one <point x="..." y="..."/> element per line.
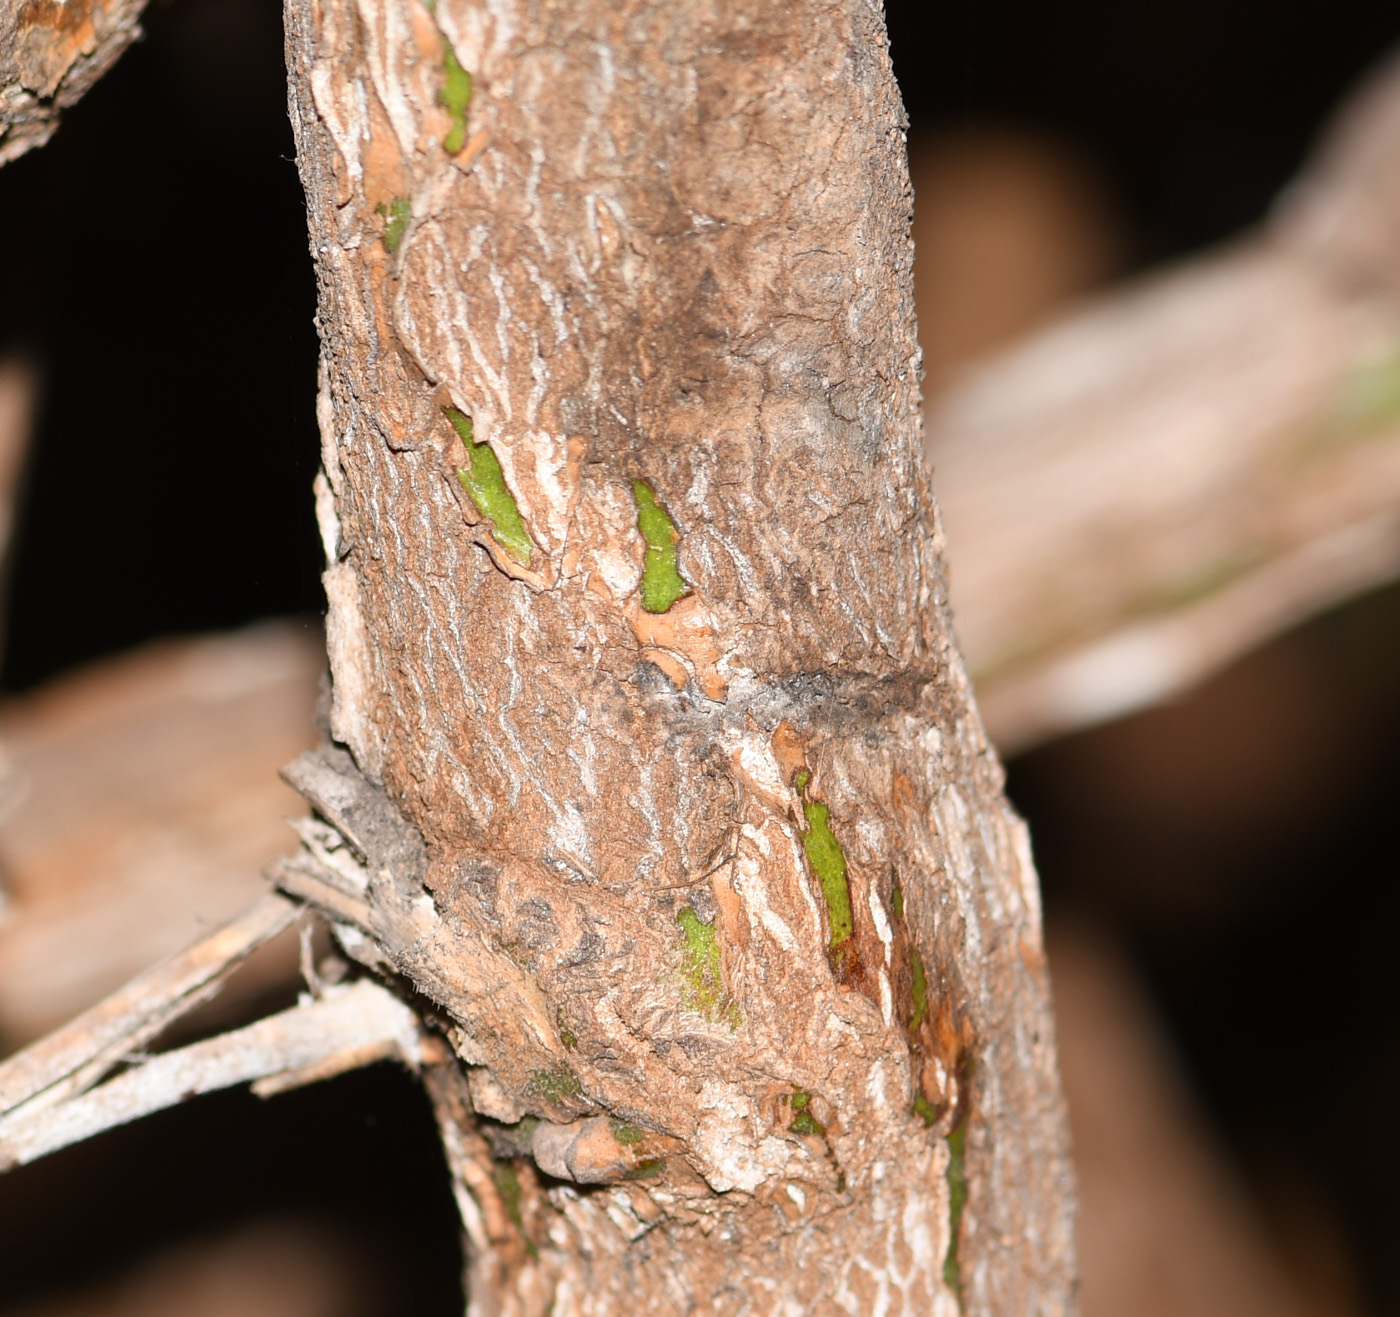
<point x="51" y="53"/>
<point x="725" y="896"/>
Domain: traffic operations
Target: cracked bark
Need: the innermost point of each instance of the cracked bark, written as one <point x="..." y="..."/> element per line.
<point x="671" y="247"/>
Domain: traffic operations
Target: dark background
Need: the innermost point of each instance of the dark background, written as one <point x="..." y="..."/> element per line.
<point x="157" y="270"/>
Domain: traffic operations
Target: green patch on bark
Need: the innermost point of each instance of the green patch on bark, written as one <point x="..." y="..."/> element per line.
<point x="803" y="1121"/>
<point x="1210" y="579"/>
<point x="396" y="214"/>
<point x="508" y="1186"/>
<point x="1369" y="396"/>
<point x="662" y="583"/>
<point x="918" y="990"/>
<point x="956" y="1175"/>
<point x="455" y="96"/>
<point x="646" y="1169"/>
<point x="627" y="1135"/>
<point x="555" y="1085"/>
<point x="485" y="484"/>
<point x="703" y="990"/>
<point x="828" y="862"/>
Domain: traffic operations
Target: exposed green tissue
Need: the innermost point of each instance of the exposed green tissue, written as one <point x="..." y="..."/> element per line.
<point x="957" y="1199"/>
<point x="485" y="482"/>
<point x="918" y="990"/>
<point x="555" y="1085"/>
<point x="508" y="1186"/>
<point x="803" y="1121"/>
<point x="704" y="990"/>
<point x="647" y="1169"/>
<point x="662" y="583"/>
<point x="397" y="213"/>
<point x="456" y="95"/>
<point x="828" y="862"/>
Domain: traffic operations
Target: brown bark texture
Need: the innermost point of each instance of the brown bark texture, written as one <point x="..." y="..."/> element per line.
<point x="51" y="53"/>
<point x="714" y="888"/>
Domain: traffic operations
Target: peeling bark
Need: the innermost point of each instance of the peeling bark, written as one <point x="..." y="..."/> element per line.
<point x="713" y="881"/>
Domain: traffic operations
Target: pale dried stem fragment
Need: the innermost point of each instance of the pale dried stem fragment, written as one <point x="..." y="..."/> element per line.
<point x="351" y="1026"/>
<point x="73" y="1058"/>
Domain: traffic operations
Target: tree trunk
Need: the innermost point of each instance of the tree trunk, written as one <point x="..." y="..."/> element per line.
<point x="638" y="618"/>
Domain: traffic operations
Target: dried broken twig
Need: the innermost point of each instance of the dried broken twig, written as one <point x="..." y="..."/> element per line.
<point x="351" y="1026"/>
<point x="72" y="1059"/>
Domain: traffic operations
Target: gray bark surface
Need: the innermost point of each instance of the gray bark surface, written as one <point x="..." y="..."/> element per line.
<point x="665" y="244"/>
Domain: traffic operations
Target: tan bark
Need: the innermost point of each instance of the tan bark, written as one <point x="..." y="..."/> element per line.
<point x="669" y="245"/>
<point x="51" y="53"/>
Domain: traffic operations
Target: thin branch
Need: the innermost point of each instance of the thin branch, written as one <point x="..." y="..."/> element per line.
<point x="351" y="1026"/>
<point x="75" y="1057"/>
<point x="50" y="56"/>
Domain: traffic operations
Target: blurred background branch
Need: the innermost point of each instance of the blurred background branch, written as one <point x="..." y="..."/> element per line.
<point x="1156" y="483"/>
